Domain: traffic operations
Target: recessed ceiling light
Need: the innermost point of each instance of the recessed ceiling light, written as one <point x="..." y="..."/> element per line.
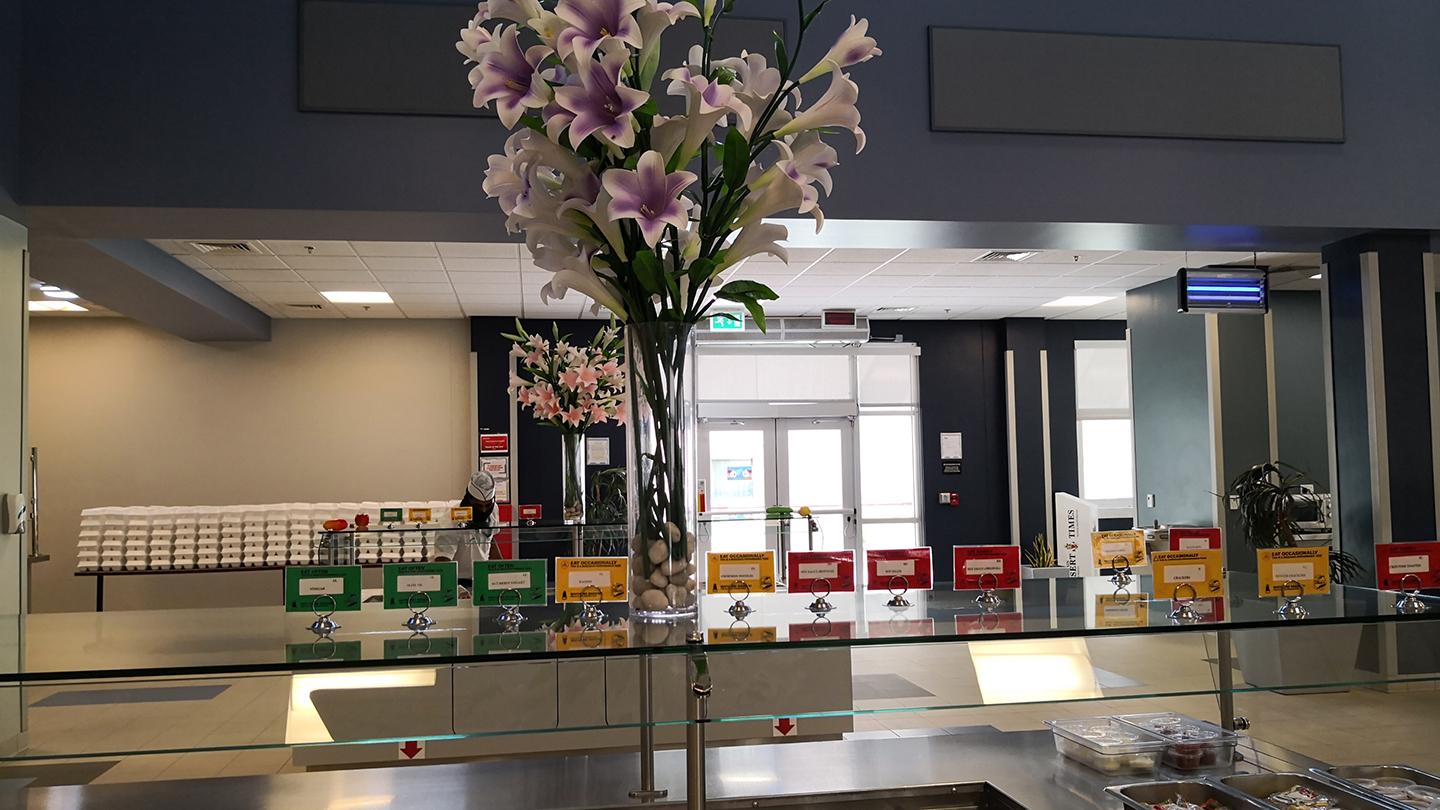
<point x="357" y="297"/>
<point x="55" y="306"/>
<point x="47" y="287"/>
<point x="1008" y="255"/>
<point x="1080" y="300"/>
<point x="59" y="293"/>
<point x="895" y="309"/>
<point x="1318" y="276"/>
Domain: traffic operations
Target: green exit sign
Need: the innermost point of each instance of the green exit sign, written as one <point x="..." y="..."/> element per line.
<point x="727" y="323"/>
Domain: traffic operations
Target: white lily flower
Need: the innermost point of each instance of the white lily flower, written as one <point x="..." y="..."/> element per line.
<point x="520" y="11"/>
<point x="834" y="109"/>
<point x="853" y="47"/>
<point x="585" y="281"/>
<point x="771" y="194"/>
<point x="754" y="239"/>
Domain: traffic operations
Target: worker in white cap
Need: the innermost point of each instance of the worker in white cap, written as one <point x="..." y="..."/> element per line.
<point x="466" y="547"/>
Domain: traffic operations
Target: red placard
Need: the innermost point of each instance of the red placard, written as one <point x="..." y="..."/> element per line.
<point x="1210" y="608"/>
<point x="989" y="623"/>
<point x="495" y="443"/>
<point x="530" y="511"/>
<point x="810" y="571"/>
<point x="1395" y="561"/>
<point x="1191" y="538"/>
<point x="821" y="628"/>
<point x="912" y="565"/>
<point x="976" y="563"/>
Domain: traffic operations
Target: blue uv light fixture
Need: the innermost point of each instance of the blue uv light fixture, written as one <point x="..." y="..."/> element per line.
<point x="1223" y="289"/>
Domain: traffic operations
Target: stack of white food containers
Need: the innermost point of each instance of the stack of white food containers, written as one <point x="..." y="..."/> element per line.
<point x="232" y="536"/>
<point x="300" y="534"/>
<point x="207" y="537"/>
<point x="162" y="537"/>
<point x="252" y="550"/>
<point x="112" y="539"/>
<point x="186" y="536"/>
<point x="87" y="548"/>
<point x="137" y="538"/>
<point x="277" y="534"/>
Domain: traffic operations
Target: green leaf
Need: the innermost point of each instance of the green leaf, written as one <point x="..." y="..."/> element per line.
<point x="701" y="270"/>
<point x="740" y="289"/>
<point x="650" y="272"/>
<point x="782" y="58"/>
<point x="757" y="313"/>
<point x="646" y="113"/>
<point x="809" y="18"/>
<point x="737" y="158"/>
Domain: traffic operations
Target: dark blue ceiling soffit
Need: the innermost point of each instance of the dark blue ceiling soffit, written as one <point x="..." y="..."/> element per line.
<point x="143" y="282"/>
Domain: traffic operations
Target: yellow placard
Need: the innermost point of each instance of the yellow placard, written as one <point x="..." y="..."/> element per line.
<point x="1109" y="547"/>
<point x="612" y="639"/>
<point x="741" y="634"/>
<point x="1202" y="570"/>
<point x="419" y="515"/>
<point x="1122" y="610"/>
<point x="1310" y="567"/>
<point x="591" y="579"/>
<point x="731" y="572"/>
<point x="462" y="514"/>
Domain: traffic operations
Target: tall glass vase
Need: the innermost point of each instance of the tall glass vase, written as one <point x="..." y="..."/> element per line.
<point x="573" y="489"/>
<point x="661" y="454"/>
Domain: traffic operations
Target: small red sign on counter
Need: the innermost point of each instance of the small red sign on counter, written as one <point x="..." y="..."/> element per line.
<point x="821" y="571"/>
<point x="495" y="443"/>
<point x="986" y="567"/>
<point x="530" y="511"/>
<point x="1191" y="538"/>
<point x="1398" y="566"/>
<point x="891" y="566"/>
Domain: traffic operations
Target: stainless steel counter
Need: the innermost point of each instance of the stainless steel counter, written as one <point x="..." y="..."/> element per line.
<point x="1022" y="765"/>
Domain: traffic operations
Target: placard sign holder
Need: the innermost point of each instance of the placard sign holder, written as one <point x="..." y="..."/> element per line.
<point x="821" y="573"/>
<point x="899" y="571"/>
<point x="1410" y="602"/>
<point x="323" y="625"/>
<point x="1184" y="612"/>
<point x="1292" y="609"/>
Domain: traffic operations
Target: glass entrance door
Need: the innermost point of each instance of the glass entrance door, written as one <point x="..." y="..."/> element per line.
<point x="750" y="464"/>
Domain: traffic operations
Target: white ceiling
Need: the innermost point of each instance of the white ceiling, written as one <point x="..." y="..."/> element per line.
<point x="456" y="279"/>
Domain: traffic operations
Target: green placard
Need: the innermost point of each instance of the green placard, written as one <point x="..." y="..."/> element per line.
<point x="501" y="643"/>
<point x="392" y="515"/>
<point x="322" y="649"/>
<point x="403" y="580"/>
<point x="304" y="584"/>
<point x="494" y="578"/>
<point x="420" y="646"/>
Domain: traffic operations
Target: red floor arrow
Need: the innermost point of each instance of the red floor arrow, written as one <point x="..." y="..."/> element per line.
<point x="411" y="749"/>
<point x="784" y="725"/>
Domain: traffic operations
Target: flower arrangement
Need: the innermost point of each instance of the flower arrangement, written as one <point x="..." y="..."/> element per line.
<point x="570" y="387"/>
<point x="567" y="386"/>
<point x="650" y="215"/>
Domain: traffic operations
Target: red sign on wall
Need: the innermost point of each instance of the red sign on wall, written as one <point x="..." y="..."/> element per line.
<point x="889" y="568"/>
<point x="821" y="571"/>
<point x="495" y="443"/>
<point x="1398" y="566"/>
<point x="1191" y="538"/>
<point x="986" y="567"/>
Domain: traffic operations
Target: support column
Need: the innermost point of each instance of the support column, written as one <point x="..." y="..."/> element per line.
<point x="1379" y="323"/>
<point x="1025" y="422"/>
<point x="14" y="461"/>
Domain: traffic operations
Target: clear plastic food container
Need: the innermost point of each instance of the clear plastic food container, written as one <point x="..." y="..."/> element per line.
<point x="1108" y="745"/>
<point x="1194" y="744"/>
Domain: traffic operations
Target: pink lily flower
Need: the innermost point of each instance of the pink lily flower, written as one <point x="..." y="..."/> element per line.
<point x="511" y="77"/>
<point x="602" y="103"/>
<point x="649" y="196"/>
<point x="574" y="416"/>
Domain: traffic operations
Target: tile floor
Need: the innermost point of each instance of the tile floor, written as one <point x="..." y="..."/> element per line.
<point x="912" y="690"/>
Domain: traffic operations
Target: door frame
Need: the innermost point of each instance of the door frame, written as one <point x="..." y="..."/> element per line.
<point x="848" y="481"/>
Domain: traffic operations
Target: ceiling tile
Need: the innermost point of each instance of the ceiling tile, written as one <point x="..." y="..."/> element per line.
<point x="411" y="249"/>
<point x="1073" y="258"/>
<point x="336" y="276"/>
<point x="1008" y="269"/>
<point x="1147" y="257"/>
<point x="477" y="250"/>
<point x="225" y="262"/>
<point x="251" y="277"/>
<point x="412" y="276"/>
<point x="313" y="247"/>
<point x="348" y="286"/>
<point x="432" y="311"/>
<point x="402" y="288"/>
<point x="872" y="256"/>
<point x="423" y="299"/>
<point x="403" y="263"/>
<point x="297" y="293"/>
<point x="799" y="257"/>
<point x="841" y="269"/>
<point x="325" y="312"/>
<point x="483" y="290"/>
<point x="488" y="265"/>
<point x="325" y="262"/>
<point x="172" y="246"/>
<point x="491" y="308"/>
<point x="940" y="255"/>
<point x="369" y="310"/>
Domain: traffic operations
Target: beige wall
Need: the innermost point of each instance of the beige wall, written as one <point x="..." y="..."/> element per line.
<point x="326" y="411"/>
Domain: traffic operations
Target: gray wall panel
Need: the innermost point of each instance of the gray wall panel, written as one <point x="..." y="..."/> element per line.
<point x="1300" y="383"/>
<point x="1245" y="415"/>
<point x="1170" y="400"/>
<point x="1090" y="84"/>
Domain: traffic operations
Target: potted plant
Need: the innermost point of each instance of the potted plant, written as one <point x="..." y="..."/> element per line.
<point x="1264" y="498"/>
<point x="1040" y="562"/>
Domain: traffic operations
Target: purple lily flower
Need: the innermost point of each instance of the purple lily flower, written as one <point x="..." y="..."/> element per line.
<point x="602" y="104"/>
<point x="592" y="22"/>
<point x="649" y="196"/>
<point x="511" y="77"/>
